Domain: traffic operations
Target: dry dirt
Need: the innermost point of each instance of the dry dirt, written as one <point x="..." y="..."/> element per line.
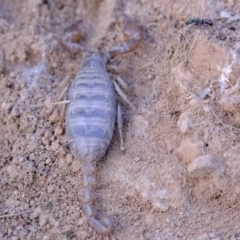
<point x="179" y="177"/>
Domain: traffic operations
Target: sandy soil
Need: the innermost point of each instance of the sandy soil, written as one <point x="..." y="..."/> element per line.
<point x="179" y="177"/>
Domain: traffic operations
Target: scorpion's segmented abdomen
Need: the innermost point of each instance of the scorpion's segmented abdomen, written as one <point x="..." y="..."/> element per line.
<point x="91" y="114"/>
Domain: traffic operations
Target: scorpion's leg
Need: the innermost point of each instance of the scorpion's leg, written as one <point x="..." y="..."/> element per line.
<point x="123" y="95"/>
<point x="62" y="91"/>
<point x="63" y="87"/>
<point x="71" y="37"/>
<point x="120" y="126"/>
<point x="121" y="82"/>
<point x="132" y="34"/>
<point x="113" y="68"/>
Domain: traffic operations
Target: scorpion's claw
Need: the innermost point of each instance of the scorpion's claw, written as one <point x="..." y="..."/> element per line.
<point x="132" y="35"/>
<point x="72" y="36"/>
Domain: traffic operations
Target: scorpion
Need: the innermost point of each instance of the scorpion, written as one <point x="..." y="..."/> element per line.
<point x="93" y="109"/>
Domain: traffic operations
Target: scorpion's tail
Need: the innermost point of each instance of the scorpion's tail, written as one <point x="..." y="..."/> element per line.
<point x="104" y="225"/>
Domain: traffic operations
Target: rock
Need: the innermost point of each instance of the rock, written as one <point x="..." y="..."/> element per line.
<point x="162" y="205"/>
<point x="76" y="165"/>
<point x="203" y="236"/>
<point x="62" y="163"/>
<point x="204" y="165"/>
<point x="189" y="150"/>
<point x="12" y="171"/>
<point x="50" y="189"/>
<point x="183" y="123"/>
<point x="221" y="181"/>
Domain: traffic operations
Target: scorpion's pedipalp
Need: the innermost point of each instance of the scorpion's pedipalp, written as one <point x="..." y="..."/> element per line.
<point x="132" y="35"/>
<point x="71" y="37"/>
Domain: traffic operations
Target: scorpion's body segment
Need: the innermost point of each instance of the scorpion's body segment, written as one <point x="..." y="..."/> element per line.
<point x="92" y="112"/>
<point x="90" y="121"/>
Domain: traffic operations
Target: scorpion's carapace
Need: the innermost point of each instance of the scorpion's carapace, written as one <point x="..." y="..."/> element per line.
<point x="92" y="112"/>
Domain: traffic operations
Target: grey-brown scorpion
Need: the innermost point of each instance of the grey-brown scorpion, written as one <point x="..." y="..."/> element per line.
<point x="92" y="111"/>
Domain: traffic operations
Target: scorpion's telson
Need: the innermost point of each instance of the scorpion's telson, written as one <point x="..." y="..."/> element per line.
<point x="92" y="112"/>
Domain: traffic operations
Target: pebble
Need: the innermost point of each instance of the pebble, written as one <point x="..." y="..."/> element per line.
<point x="76" y="165"/>
<point x="55" y="146"/>
<point x="32" y="203"/>
<point x="54" y="117"/>
<point x="183" y="123"/>
<point x="50" y="189"/>
<point x="58" y="130"/>
<point x="203" y="236"/>
<point x="17" y="203"/>
<point x="32" y="156"/>
<point x="69" y="158"/>
<point x="203" y="166"/>
<point x="221" y="181"/>
<point x="163" y="206"/>
<point x="62" y="163"/>
<point x="189" y="150"/>
<point x="12" y="171"/>
<point x="81" y="234"/>
<point x="48" y="161"/>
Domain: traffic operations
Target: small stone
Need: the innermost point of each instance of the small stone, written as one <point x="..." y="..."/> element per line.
<point x="50" y="189"/>
<point x="183" y="123"/>
<point x="233" y="238"/>
<point x="163" y="206"/>
<point x="48" y="161"/>
<point x="69" y="158"/>
<point x="212" y="235"/>
<point x="149" y="219"/>
<point x="206" y="109"/>
<point x="58" y="130"/>
<point x="55" y="146"/>
<point x="76" y="165"/>
<point x="32" y="156"/>
<point x="203" y="166"/>
<point x="189" y="150"/>
<point x="17" y="203"/>
<point x="150" y="77"/>
<point x="62" y="163"/>
<point x="80" y="222"/>
<point x="81" y="234"/>
<point x="43" y="220"/>
<point x="137" y="159"/>
<point x="12" y="171"/>
<point x="221" y="181"/>
<point x="54" y="117"/>
<point x="32" y="203"/>
<point x="203" y="236"/>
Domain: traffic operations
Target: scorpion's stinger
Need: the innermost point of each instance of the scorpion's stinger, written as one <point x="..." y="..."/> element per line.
<point x="132" y="34"/>
<point x="71" y="37"/>
<point x="104" y="225"/>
